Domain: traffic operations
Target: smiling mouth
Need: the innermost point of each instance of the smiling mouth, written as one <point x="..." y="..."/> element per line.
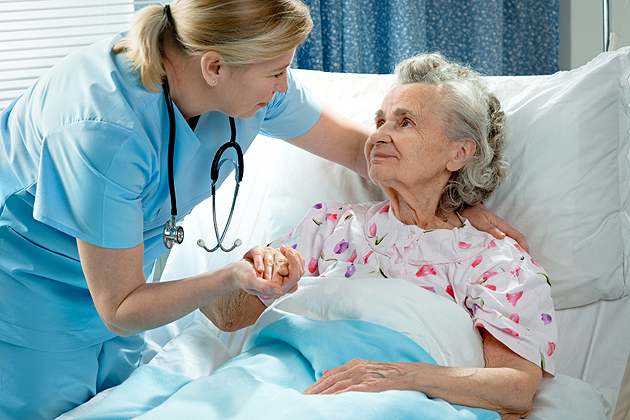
<point x="380" y="155"/>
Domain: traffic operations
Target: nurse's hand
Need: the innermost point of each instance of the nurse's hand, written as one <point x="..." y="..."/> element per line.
<point x="276" y="271"/>
<point x="486" y="221"/>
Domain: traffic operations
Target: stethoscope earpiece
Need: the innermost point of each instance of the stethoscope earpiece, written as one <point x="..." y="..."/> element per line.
<point x="202" y="244"/>
<point x="172" y="233"/>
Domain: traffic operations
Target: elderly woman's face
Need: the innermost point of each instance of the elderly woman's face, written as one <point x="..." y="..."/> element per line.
<point x="408" y="147"/>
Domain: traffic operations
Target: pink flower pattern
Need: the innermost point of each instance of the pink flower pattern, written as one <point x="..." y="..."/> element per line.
<point x="429" y="288"/>
<point x="425" y="270"/>
<point x="331" y="217"/>
<point x="488" y="274"/>
<point x="477" y="261"/>
<point x="312" y="266"/>
<point x="513" y="298"/>
<point x="373" y="230"/>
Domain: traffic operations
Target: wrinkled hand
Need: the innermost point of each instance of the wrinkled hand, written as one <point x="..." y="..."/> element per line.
<point x="276" y="271"/>
<point x="485" y="220"/>
<point x="364" y="376"/>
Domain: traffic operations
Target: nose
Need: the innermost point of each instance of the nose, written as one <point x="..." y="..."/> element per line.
<point x="380" y="135"/>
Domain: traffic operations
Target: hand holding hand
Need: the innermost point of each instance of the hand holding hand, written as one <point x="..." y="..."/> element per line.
<point x="276" y="271"/>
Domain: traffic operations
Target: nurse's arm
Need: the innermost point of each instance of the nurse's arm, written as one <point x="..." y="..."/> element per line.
<point x="128" y="304"/>
<point x="336" y="138"/>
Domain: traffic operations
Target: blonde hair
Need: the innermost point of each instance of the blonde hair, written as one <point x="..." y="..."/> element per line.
<point x="470" y="111"/>
<point x="242" y="31"/>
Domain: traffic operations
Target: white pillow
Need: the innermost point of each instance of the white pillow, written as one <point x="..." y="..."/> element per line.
<point x="567" y="398"/>
<point x="398" y="304"/>
<point x="568" y="189"/>
<point x="568" y="186"/>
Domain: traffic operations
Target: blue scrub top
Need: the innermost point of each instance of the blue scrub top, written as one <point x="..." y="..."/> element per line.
<point x="83" y="154"/>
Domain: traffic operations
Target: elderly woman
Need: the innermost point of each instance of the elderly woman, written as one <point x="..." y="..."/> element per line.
<point x="436" y="147"/>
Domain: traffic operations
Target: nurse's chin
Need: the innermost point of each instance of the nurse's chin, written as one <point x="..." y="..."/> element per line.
<point x="250" y="113"/>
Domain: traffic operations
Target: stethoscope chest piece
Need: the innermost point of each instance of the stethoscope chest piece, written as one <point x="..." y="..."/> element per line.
<point x="172" y="233"/>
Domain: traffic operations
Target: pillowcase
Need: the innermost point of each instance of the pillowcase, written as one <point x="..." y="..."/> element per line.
<point x="568" y="189"/>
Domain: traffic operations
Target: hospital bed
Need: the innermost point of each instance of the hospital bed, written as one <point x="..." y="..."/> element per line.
<point x="568" y="191"/>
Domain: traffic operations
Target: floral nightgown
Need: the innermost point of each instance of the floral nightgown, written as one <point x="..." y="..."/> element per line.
<point x="503" y="289"/>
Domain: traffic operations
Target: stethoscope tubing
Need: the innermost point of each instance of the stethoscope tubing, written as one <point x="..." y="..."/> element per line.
<point x="175" y="234"/>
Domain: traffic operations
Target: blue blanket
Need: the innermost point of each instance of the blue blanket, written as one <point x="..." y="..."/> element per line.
<point x="267" y="381"/>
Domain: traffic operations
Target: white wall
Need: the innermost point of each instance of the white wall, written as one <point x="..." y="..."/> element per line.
<point x="581" y="30"/>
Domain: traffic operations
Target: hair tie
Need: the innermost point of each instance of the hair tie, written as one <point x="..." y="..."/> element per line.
<point x="169" y="17"/>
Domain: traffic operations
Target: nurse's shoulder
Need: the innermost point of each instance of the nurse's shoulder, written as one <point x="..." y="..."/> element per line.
<point x="90" y="85"/>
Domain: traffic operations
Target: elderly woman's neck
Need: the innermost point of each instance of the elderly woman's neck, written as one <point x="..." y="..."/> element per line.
<point x="424" y="213"/>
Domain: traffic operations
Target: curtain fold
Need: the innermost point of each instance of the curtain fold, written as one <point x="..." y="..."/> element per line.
<point x="496" y="37"/>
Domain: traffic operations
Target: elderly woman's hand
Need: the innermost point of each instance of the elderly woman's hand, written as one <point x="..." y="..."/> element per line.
<point x="278" y="269"/>
<point x="485" y="220"/>
<point x="364" y="376"/>
<point x="506" y="385"/>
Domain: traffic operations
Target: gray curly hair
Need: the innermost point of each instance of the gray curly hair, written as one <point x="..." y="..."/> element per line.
<point x="469" y="111"/>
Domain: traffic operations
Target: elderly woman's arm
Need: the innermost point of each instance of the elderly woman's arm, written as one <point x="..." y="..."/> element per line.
<point x="234" y="311"/>
<point x="506" y="385"/>
<point x="241" y="308"/>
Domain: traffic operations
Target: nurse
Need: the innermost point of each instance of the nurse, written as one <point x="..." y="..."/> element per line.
<point x="84" y="187"/>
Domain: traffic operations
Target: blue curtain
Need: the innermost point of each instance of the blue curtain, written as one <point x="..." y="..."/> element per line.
<point x="495" y="37"/>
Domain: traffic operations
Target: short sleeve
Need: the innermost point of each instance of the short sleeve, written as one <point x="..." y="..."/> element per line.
<point x="291" y="113"/>
<point x="91" y="183"/>
<point x="510" y="297"/>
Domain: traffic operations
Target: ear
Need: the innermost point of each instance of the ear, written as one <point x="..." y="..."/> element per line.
<point x="211" y="67"/>
<point x="463" y="151"/>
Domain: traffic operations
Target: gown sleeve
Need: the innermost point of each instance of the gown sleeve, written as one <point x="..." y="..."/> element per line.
<point x="510" y="297"/>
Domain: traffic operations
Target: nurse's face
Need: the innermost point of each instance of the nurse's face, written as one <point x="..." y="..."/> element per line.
<point x="246" y="89"/>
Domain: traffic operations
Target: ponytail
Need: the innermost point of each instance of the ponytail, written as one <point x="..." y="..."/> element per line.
<point x="242" y="31"/>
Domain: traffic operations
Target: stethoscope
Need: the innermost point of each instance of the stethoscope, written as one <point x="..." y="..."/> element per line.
<point x="175" y="234"/>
